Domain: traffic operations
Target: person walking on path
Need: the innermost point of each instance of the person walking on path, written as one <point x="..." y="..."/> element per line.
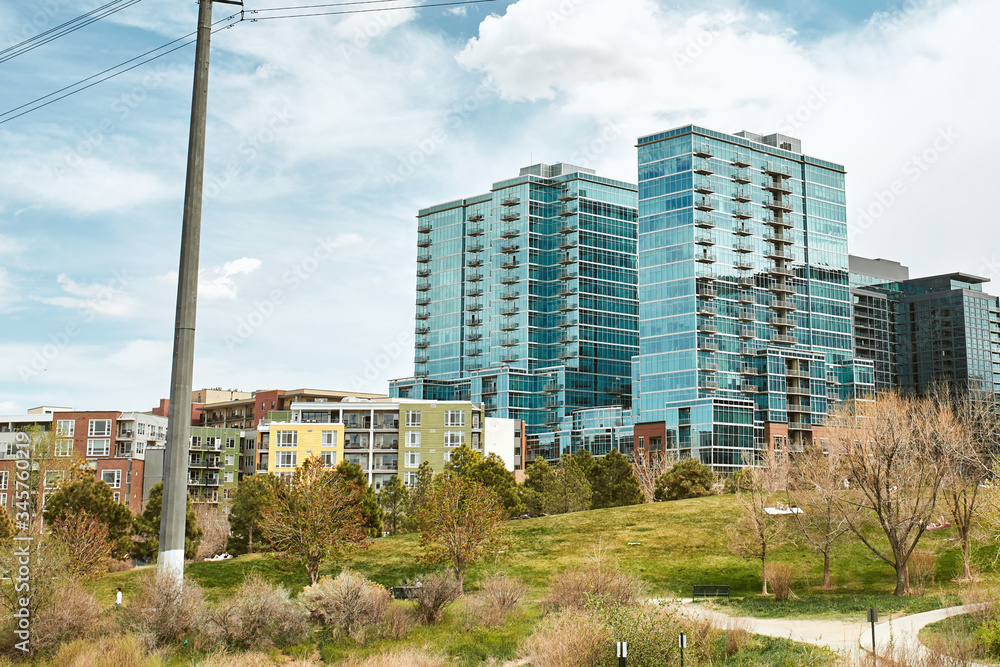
<point x="118" y="597"/>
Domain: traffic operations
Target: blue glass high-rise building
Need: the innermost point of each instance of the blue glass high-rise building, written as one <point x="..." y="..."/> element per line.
<point x="526" y="296"/>
<point x="744" y="296"/>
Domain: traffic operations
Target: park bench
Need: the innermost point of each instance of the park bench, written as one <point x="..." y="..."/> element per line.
<point x="718" y="590"/>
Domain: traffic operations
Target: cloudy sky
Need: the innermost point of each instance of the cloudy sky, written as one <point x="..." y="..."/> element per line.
<point x="326" y="134"/>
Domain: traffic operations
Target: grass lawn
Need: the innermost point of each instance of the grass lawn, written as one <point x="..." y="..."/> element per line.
<point x="675" y="545"/>
<point x="956" y="631"/>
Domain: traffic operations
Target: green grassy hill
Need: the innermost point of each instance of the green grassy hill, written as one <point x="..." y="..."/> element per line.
<point x="678" y="544"/>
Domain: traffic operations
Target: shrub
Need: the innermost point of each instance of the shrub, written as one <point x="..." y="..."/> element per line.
<point x="437" y="592"/>
<point x="922" y="566"/>
<point x="400" y="658"/>
<point x="73" y="615"/>
<point x="499" y="596"/>
<point x="571" y="638"/>
<point x="650" y="630"/>
<point x="258" y="615"/>
<point x="250" y="659"/>
<point x="350" y="604"/>
<point x="780" y="577"/>
<point x="121" y="651"/>
<point x="398" y="621"/>
<point x="737" y="635"/>
<point x="572" y="588"/>
<point x="161" y="612"/>
<point x="688" y="478"/>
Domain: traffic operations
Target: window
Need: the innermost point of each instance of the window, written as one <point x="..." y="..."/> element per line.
<point x="284" y="460"/>
<point x="196" y="441"/>
<point x="117" y="496"/>
<point x="3" y="479"/>
<point x="454" y="418"/>
<point x="453" y="438"/>
<point x="413" y="438"/>
<point x="410" y="478"/>
<point x="329" y="438"/>
<point x="229" y="477"/>
<point x="99" y="428"/>
<point x="230" y="459"/>
<point x="65" y="427"/>
<point x="112" y="478"/>
<point x="412" y="459"/>
<point x="3" y="500"/>
<point x="98" y="447"/>
<point x="53" y="478"/>
<point x="413" y="417"/>
<point x="230" y="443"/>
<point x="328" y="459"/>
<point x="475" y="420"/>
<point x="286" y="438"/>
<point x="141" y="429"/>
<point x="447" y="456"/>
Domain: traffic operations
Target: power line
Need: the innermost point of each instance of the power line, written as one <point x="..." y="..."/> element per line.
<point x="358" y="11"/>
<point x="330" y="4"/>
<point x="73" y="88"/>
<point x="66" y="28"/>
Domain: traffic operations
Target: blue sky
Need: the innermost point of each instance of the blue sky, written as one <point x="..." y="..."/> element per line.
<point x="327" y="134"/>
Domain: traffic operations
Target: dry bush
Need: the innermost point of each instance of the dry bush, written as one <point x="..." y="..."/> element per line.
<point x="738" y="634"/>
<point x="214" y="525"/>
<point x="922" y="566"/>
<point x="161" y="612"/>
<point x="574" y="587"/>
<point x="73" y="615"/>
<point x="86" y="540"/>
<point x="499" y="596"/>
<point x="400" y="658"/>
<point x="350" y="604"/>
<point x="437" y="592"/>
<point x="258" y="615"/>
<point x="119" y="565"/>
<point x="703" y="636"/>
<point x="248" y="659"/>
<point x="399" y="620"/>
<point x="570" y="638"/>
<point x="121" y="651"/>
<point x="986" y="601"/>
<point x="780" y="577"/>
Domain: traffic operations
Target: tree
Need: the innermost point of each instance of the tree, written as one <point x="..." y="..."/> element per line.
<point x="461" y="522"/>
<point x="649" y="467"/>
<point x="821" y="494"/>
<point x="351" y="473"/>
<point x="756" y="533"/>
<point x="613" y="483"/>
<point x="315" y="516"/>
<point x="95" y="498"/>
<point x="421" y="491"/>
<point x="252" y="496"/>
<point x="394" y="499"/>
<point x="569" y="490"/>
<point x="539" y="478"/>
<point x="147" y="528"/>
<point x="7" y="531"/>
<point x="86" y="542"/>
<point x="688" y="478"/>
<point x="490" y="472"/>
<point x="588" y="465"/>
<point x="892" y="448"/>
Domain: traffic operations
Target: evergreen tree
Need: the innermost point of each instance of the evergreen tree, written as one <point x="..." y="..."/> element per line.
<point x="539" y="478"/>
<point x="252" y="496"/>
<point x="588" y="465"/>
<point x="613" y="483"/>
<point x="688" y="478"/>
<point x="147" y="528"/>
<point x="394" y="499"/>
<point x="490" y="472"/>
<point x="95" y="498"/>
<point x="351" y="473"/>
<point x="569" y="490"/>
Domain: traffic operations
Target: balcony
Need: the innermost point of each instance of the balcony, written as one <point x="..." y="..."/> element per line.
<point x="566" y="258"/>
<point x="798" y="425"/>
<point x="510" y="215"/>
<point x="474" y="305"/>
<point x="508" y="309"/>
<point x="420" y="372"/>
<point x="567" y="337"/>
<point x="784" y="322"/>
<point x="508" y="278"/>
<point x="510" y="201"/>
<point x="745" y="297"/>
<point x="474" y="351"/>
<point x="797" y="373"/>
<point x="742" y="212"/>
<point x="567" y="210"/>
<point x="706" y="309"/>
<point x="704" y="221"/>
<point x="777" y="204"/>
<point x="474" y="246"/>
<point x="745" y="281"/>
<point x="704" y="186"/>
<point x="704" y="167"/>
<point x="742" y="160"/>
<point x="782" y="288"/>
<point x="476" y="217"/>
<point x="703" y="150"/>
<point x="704" y="204"/>
<point x="782" y="304"/>
<point x="568" y="275"/>
<point x="421" y="343"/>
<point x="708" y="384"/>
<point x="567" y="242"/>
<point x="565" y="194"/>
<point x="742" y="195"/>
<point x="509" y="231"/>
<point x="777" y="169"/>
<point x="508" y="341"/>
<point x="565" y="305"/>
<point x="509" y="263"/>
<point x="706" y="291"/>
<point x="778" y="237"/>
<point x="423" y="300"/>
<point x="707" y="327"/>
<point x="748" y="350"/>
<point x="743" y="246"/>
<point x="424" y="226"/>
<point x="778" y="221"/>
<point x="474" y="334"/>
<point x="509" y="294"/>
<point x="743" y="263"/>
<point x="508" y="357"/>
<point x="746" y="332"/>
<point x="424" y="256"/>
<point x="778" y="185"/>
<point x="474" y="290"/>
<point x="424" y="241"/>
<point x="799" y="408"/>
<point x="421" y="358"/>
<point x="473" y="276"/>
<point x="475" y="229"/>
<point x="423" y="313"/>
<point x="704" y="273"/>
<point x="508" y="324"/>
<point x="749" y="388"/>
<point x="423" y="271"/>
<point x="704" y="239"/>
<point x="706" y="345"/>
<point x="745" y="315"/>
<point x="708" y="367"/>
<point x="782" y="271"/>
<point x="741" y="176"/>
<point x="783" y="339"/>
<point x="568" y="321"/>
<point x="567" y="288"/>
<point x="475" y="261"/>
<point x="509" y="248"/>
<point x="749" y="369"/>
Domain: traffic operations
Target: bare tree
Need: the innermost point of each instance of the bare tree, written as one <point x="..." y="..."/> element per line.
<point x="649" y="467"/>
<point x="892" y="451"/>
<point x="819" y="491"/>
<point x="214" y="523"/>
<point x="756" y="533"/>
<point x="86" y="542"/>
<point x="968" y="459"/>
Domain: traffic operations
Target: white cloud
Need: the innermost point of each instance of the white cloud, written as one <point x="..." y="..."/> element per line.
<point x="98" y="298"/>
<point x="219" y="282"/>
<point x="457" y="11"/>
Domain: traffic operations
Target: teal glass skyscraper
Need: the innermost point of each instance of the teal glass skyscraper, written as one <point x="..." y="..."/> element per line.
<point x="744" y="296"/>
<point x="526" y="296"/>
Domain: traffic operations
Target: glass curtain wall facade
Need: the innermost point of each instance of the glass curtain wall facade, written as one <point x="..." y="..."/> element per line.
<point x="526" y="296"/>
<point x="745" y="308"/>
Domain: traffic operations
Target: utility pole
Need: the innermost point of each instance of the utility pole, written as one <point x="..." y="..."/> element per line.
<point x="173" y="513"/>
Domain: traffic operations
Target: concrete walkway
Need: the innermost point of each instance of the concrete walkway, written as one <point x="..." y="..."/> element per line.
<point x="905" y="630"/>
